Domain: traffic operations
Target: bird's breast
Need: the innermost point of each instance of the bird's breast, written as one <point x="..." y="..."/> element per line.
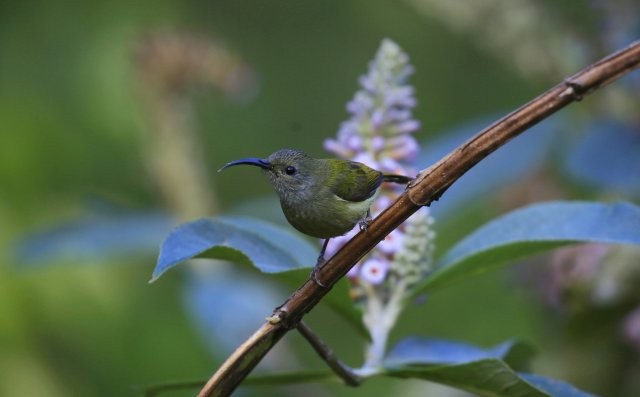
<point x="325" y="217"/>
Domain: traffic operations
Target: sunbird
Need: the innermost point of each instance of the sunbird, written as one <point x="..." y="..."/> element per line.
<point x="322" y="198"/>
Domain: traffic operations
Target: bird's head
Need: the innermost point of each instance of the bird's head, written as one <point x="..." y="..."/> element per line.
<point x="291" y="172"/>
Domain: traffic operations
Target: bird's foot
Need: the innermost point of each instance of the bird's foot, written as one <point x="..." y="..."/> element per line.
<point x="364" y="222"/>
<point x="314" y="273"/>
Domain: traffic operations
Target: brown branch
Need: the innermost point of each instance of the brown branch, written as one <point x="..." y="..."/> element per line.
<point x="338" y="367"/>
<point x="428" y="187"/>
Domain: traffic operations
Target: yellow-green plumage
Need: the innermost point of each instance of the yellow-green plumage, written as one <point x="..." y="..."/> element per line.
<point x="322" y="198"/>
<point x="340" y="197"/>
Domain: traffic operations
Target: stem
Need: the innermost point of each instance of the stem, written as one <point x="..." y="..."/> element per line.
<point x="380" y="318"/>
<point x="324" y="351"/>
<point x="152" y="391"/>
<point x="428" y="187"/>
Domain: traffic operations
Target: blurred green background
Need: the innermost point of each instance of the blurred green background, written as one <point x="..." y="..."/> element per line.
<point x="117" y="111"/>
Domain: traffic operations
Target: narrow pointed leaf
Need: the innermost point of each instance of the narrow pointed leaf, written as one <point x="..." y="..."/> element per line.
<point x="268" y="247"/>
<point x="532" y="230"/>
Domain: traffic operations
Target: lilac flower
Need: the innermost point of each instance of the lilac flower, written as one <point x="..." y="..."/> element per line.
<point x="392" y="243"/>
<point x="337" y="242"/>
<point x="374" y="271"/>
<point x="379" y="134"/>
<point x="381" y="110"/>
<point x="354" y="272"/>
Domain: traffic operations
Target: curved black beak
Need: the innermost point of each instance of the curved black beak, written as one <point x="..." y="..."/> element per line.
<point x="262" y="163"/>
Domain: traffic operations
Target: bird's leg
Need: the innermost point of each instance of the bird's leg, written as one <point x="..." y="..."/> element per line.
<point x="321" y="261"/>
<point x="364" y="222"/>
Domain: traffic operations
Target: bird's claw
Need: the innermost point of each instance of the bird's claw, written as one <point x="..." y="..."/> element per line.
<point x="364" y="223"/>
<point x="314" y="277"/>
<point x="314" y="273"/>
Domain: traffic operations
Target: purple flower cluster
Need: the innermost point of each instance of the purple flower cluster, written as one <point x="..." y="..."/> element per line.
<point x="379" y="134"/>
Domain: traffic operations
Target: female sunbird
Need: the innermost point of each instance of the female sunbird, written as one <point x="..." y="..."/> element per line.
<point x="322" y="198"/>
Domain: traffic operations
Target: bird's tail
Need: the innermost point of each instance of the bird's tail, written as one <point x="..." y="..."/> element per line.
<point x="400" y="179"/>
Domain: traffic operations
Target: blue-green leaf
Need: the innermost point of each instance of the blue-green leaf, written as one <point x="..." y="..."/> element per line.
<point x="485" y="377"/>
<point x="554" y="387"/>
<point x="607" y="156"/>
<point x="94" y="239"/>
<point x="489" y="377"/>
<point x="485" y="372"/>
<point x="268" y="247"/>
<point x="534" y="229"/>
<point x="423" y="351"/>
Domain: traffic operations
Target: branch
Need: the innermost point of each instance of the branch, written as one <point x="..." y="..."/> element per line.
<point x="338" y="367"/>
<point x="428" y="187"/>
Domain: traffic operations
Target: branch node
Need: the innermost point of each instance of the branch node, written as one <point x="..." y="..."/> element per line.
<point x="274" y="319"/>
<point x="574" y="89"/>
<point x="283" y="318"/>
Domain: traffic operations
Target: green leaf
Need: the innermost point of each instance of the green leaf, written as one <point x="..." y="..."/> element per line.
<point x="554" y="387"/>
<point x="532" y="230"/>
<point x="250" y="241"/>
<point x="485" y="377"/>
<point x="423" y="351"/>
<point x="243" y="240"/>
<point x="483" y="371"/>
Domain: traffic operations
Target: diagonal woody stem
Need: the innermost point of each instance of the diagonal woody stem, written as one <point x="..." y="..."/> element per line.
<point x="427" y="187"/>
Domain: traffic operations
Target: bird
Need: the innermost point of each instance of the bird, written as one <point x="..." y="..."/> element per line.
<point x="322" y="198"/>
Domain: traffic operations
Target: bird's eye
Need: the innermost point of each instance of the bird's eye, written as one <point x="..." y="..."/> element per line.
<point x="290" y="170"/>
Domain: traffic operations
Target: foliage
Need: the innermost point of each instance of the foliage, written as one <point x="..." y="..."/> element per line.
<point x="134" y="117"/>
<point x="505" y="240"/>
<point x="241" y="240"/>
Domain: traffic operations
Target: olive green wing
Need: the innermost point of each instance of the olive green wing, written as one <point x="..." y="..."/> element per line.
<point x="354" y="181"/>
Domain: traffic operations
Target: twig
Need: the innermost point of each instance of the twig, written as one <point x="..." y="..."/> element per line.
<point x="255" y="380"/>
<point x="338" y="367"/>
<point x="428" y="187"/>
<point x="154" y="390"/>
